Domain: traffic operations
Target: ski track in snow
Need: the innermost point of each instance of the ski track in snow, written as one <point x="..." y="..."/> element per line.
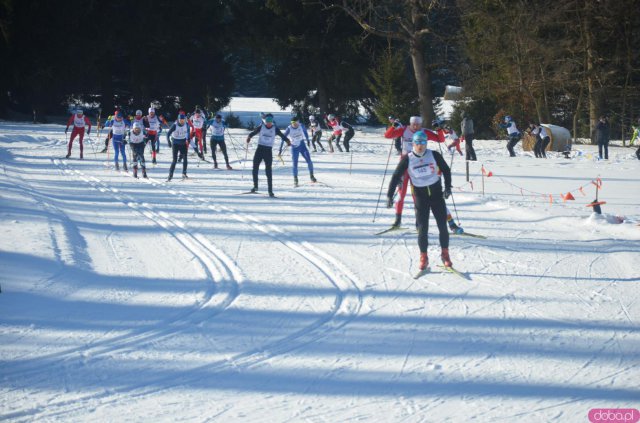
<point x="508" y="293"/>
<point x="226" y="276"/>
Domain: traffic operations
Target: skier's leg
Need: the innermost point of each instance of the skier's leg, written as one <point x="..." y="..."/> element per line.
<point x="185" y="160"/>
<point x="268" y="162"/>
<point x="295" y="152"/>
<point x="213" y="151"/>
<point x="306" y="155"/>
<point x="347" y="138"/>
<point x="422" y="217"/>
<point x="257" y="158"/>
<point x="174" y="160"/>
<point x="223" y="148"/>
<point x="80" y="140"/>
<point x="402" y="192"/>
<point x="439" y="210"/>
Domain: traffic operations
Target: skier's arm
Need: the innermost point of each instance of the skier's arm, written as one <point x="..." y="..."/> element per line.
<point x="286" y="132"/>
<point x="173" y="128"/>
<point x="282" y="136"/>
<point x="444" y="168"/>
<point x="252" y="133"/>
<point x="394" y="131"/>
<point x="403" y="165"/>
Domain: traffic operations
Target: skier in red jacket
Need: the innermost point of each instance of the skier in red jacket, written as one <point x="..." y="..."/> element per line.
<point x="79" y="121"/>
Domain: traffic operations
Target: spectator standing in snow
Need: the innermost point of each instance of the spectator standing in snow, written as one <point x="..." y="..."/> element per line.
<point x="466" y="128"/>
<point x="602" y="137"/>
<point x="137" y="141"/>
<point x="424" y="166"/>
<point x="316" y="132"/>
<point x="513" y="133"/>
<point x="79" y="121"/>
<point x="178" y="140"/>
<point x="297" y="134"/>
<point x="218" y="126"/>
<point x="264" y="153"/>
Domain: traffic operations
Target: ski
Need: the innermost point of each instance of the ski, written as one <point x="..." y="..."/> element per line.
<point x="392" y="229"/>
<point x="258" y="193"/>
<point x="421" y="273"/>
<point x="471" y="235"/>
<point x="454" y="271"/>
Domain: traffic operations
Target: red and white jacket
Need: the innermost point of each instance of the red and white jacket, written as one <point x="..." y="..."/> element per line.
<point x="79" y="122"/>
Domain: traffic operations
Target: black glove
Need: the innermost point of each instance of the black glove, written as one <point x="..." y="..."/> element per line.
<point x="389" y="202"/>
<point x="66" y="130"/>
<point x="447" y="193"/>
<point x="124" y="142"/>
<point x="88" y="131"/>
<point x="248" y="140"/>
<point x="169" y="142"/>
<point x="396" y="124"/>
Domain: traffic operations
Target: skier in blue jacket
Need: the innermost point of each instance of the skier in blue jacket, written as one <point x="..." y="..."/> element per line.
<point x="297" y="134"/>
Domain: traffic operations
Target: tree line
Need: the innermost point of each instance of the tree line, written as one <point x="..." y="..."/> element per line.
<point x="565" y="63"/>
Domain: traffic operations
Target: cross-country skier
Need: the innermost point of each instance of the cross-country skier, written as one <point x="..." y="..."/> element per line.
<point x="79" y="121"/>
<point x="118" y="127"/>
<point x="154" y="128"/>
<point x="348" y="134"/>
<point x="297" y="133"/>
<point x="395" y="122"/>
<point x="513" y="133"/>
<point x="316" y="132"/>
<point x="268" y="131"/>
<point x="455" y="140"/>
<point x="178" y="140"/>
<point x="197" y="122"/>
<point x="406" y="134"/>
<point x="334" y="125"/>
<point x="137" y="142"/>
<point x="218" y="125"/>
<point x="424" y="167"/>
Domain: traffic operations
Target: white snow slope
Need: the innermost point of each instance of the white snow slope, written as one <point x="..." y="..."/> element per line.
<point x="132" y="300"/>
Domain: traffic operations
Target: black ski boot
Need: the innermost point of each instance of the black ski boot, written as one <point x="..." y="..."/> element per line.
<point x="271" y="194"/>
<point x="124" y="166"/>
<point x="144" y="173"/>
<point x="254" y="189"/>
<point x="117" y="166"/>
<point x="397" y="222"/>
<point x="313" y="178"/>
<point x="135" y="171"/>
<point x="295" y="181"/>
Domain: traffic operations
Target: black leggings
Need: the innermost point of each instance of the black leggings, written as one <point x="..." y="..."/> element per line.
<point x="603" y="145"/>
<point x="175" y="149"/>
<point x="316" y="139"/>
<point x="430" y="199"/>
<point x="347" y="137"/>
<point x="138" y="153"/>
<point x="263" y="153"/>
<point x="223" y="147"/>
<point x="471" y="153"/>
<point x="513" y="140"/>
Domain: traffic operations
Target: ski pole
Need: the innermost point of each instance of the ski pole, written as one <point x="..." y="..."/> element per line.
<point x="382" y="185"/>
<point x="351" y="161"/>
<point x="452" y="200"/>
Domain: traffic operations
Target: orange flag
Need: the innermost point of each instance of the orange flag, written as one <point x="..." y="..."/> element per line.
<point x="567" y="197"/>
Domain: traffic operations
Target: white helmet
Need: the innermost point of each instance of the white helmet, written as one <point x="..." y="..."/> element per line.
<point x="312" y="117"/>
<point x="331" y="116"/>
<point x="152" y="110"/>
<point x="138" y="112"/>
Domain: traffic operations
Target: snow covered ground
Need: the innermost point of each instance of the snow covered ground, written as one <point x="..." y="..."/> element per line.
<point x="131" y="300"/>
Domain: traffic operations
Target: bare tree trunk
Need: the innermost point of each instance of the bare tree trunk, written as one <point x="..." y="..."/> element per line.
<point x="323" y="98"/>
<point x="423" y="80"/>
<point x="591" y="82"/>
<point x="577" y="113"/>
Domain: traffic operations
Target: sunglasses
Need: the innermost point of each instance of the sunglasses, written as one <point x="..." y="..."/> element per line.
<point x="420" y="142"/>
